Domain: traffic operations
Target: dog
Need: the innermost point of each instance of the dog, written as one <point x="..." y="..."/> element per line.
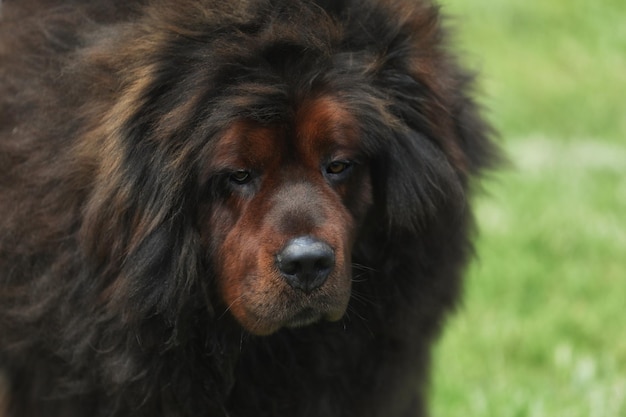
<point x="242" y="208"/>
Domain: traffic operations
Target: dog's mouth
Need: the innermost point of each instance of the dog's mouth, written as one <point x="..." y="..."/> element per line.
<point x="304" y="318"/>
<point x="324" y="309"/>
<point x="292" y="308"/>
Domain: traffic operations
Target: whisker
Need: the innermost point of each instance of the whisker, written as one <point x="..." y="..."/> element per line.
<point x="229" y="307"/>
<point x="362" y="267"/>
<point x="242" y="337"/>
<point x="362" y="320"/>
<point x="362" y="298"/>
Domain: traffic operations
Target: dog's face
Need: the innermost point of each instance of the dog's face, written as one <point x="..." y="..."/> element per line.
<point x="286" y="202"/>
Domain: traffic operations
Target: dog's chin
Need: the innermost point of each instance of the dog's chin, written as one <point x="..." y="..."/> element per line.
<point x="293" y="318"/>
<point x="303" y="318"/>
<point x="308" y="316"/>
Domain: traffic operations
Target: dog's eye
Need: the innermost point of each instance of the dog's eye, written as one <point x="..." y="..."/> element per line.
<point x="240" y="177"/>
<point x="337" y="167"/>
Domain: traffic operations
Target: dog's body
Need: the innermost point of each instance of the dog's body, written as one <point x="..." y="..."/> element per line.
<point x="247" y="208"/>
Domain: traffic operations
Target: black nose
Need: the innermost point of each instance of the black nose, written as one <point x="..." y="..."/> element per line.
<point x="306" y="262"/>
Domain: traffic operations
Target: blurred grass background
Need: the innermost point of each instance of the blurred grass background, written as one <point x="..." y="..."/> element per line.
<point x="542" y="330"/>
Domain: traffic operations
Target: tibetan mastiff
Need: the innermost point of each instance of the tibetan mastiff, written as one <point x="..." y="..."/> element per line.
<point x="229" y="208"/>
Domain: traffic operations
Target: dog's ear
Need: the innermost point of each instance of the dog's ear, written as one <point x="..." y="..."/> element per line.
<point x="137" y="233"/>
<point x="439" y="144"/>
<point x="418" y="182"/>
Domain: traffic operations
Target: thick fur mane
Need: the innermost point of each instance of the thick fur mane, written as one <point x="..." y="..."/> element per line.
<point x="110" y="117"/>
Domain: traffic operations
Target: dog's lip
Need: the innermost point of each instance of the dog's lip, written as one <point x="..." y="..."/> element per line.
<point x="304" y="317"/>
<point x="312" y="313"/>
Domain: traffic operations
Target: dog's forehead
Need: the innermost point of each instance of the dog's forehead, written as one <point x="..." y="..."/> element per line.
<point x="318" y="128"/>
<point x="325" y="122"/>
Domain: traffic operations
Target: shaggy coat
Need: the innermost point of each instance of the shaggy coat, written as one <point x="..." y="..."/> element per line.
<point x="229" y="208"/>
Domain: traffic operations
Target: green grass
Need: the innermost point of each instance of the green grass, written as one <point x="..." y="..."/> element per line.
<point x="542" y="330"/>
<point x="551" y="66"/>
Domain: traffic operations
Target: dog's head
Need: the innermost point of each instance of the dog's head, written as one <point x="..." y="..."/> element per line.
<point x="243" y="158"/>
